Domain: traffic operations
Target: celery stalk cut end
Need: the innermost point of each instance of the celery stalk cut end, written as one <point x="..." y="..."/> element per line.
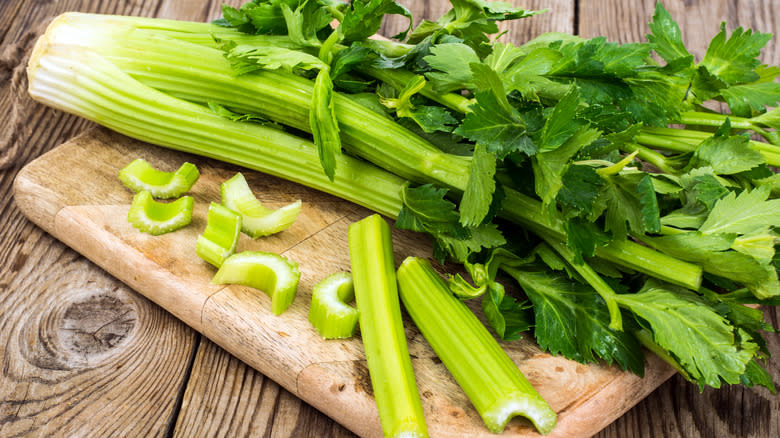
<point x="140" y="175"/>
<point x="329" y="313"/>
<point x="155" y="218"/>
<point x="270" y="273"/>
<point x="257" y="220"/>
<point x="491" y="380"/>
<point x="220" y="238"/>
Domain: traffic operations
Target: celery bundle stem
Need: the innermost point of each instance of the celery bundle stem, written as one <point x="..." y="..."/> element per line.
<point x="493" y="383"/>
<point x="382" y="330"/>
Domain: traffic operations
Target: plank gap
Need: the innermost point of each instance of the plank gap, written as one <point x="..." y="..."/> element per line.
<point x="170" y="427"/>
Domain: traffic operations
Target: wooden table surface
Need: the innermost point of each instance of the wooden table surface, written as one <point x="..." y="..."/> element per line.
<point x="109" y="362"/>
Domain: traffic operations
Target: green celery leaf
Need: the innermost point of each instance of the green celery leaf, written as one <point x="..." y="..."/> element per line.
<point x="245" y="58"/>
<point x="425" y="209"/>
<point x="549" y="167"/>
<point x="580" y="186"/>
<point x="238" y="117"/>
<point x="769" y="118"/>
<point x="744" y="213"/>
<point x="432" y="118"/>
<point x="746" y="99"/>
<point x="452" y="62"/>
<point x="481" y="237"/>
<point x="683" y="323"/>
<point x="726" y="154"/>
<point x="561" y="125"/>
<point x="627" y="202"/>
<point x="502" y="57"/>
<point x="363" y="18"/>
<point x="346" y="59"/>
<point x="492" y="120"/>
<point x="584" y="237"/>
<point x="324" y="125"/>
<point x="759" y="244"/>
<point x="666" y="37"/>
<point x="478" y="196"/>
<point x="647" y="199"/>
<point x="571" y="319"/>
<point x="734" y="60"/>
<point x="508" y="317"/>
<point x="303" y="23"/>
<point x="755" y="374"/>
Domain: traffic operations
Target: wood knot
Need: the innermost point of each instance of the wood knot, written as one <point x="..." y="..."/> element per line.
<point x="80" y="331"/>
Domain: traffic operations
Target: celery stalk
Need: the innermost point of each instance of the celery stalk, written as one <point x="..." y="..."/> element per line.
<point x="271" y="273"/>
<point x="79" y="81"/>
<point x="256" y="219"/>
<point x="329" y="313"/>
<point x="155" y="218"/>
<point x="382" y="331"/>
<point x="140" y="175"/>
<point x="220" y="238"/>
<point x="64" y="74"/>
<point x="493" y="383"/>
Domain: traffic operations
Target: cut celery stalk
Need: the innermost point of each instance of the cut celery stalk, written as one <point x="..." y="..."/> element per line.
<point x="256" y="219"/>
<point x="155" y="218"/>
<point x="329" y="313"/>
<point x="219" y="239"/>
<point x="384" y="339"/>
<point x="140" y="175"/>
<point x="493" y="383"/>
<point x="271" y="273"/>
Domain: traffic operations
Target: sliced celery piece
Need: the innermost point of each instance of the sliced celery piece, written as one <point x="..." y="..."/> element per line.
<point x="140" y="175"/>
<point x="256" y="219"/>
<point x="219" y="239"/>
<point x="490" y="379"/>
<point x="271" y="273"/>
<point x="155" y="218"/>
<point x="384" y="339"/>
<point x="329" y="313"/>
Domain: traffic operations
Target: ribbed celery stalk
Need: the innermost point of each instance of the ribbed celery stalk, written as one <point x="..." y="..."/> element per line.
<point x="200" y="73"/>
<point x="267" y="272"/>
<point x="493" y="383"/>
<point x="220" y="238"/>
<point x="257" y="220"/>
<point x="382" y="330"/>
<point x="79" y="81"/>
<point x="329" y="313"/>
<point x="155" y="218"/>
<point x="140" y="175"/>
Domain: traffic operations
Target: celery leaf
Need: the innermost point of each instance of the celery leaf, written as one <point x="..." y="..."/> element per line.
<point x="324" y="125"/>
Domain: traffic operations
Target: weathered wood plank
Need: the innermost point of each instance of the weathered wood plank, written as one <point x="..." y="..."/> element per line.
<point x="677" y="408"/>
<point x="82" y="354"/>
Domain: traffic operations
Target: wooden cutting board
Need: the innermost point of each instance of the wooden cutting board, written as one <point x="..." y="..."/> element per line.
<point x="73" y="193"/>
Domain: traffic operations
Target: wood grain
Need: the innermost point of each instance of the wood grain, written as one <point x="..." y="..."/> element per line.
<point x="29" y="129"/>
<point x="76" y="344"/>
<point x="678" y="408"/>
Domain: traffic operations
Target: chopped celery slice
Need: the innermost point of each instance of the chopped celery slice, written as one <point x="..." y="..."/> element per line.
<point x="256" y="219"/>
<point x="140" y="175"/>
<point x="490" y="379"/>
<point x="329" y="313"/>
<point x="150" y="216"/>
<point x="384" y="339"/>
<point x="219" y="239"/>
<point x="271" y="273"/>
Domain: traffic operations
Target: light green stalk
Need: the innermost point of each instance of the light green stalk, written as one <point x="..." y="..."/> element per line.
<point x="493" y="383"/>
<point x="382" y="330"/>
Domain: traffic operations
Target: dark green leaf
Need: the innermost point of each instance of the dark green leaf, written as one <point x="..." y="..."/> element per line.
<point x="478" y="196"/>
<point x="666" y="37"/>
<point x="571" y="319"/>
<point x="452" y="64"/>
<point x="702" y="341"/>
<point x="324" y="125"/>
<point x="734" y="60"/>
<point x="364" y="18"/>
